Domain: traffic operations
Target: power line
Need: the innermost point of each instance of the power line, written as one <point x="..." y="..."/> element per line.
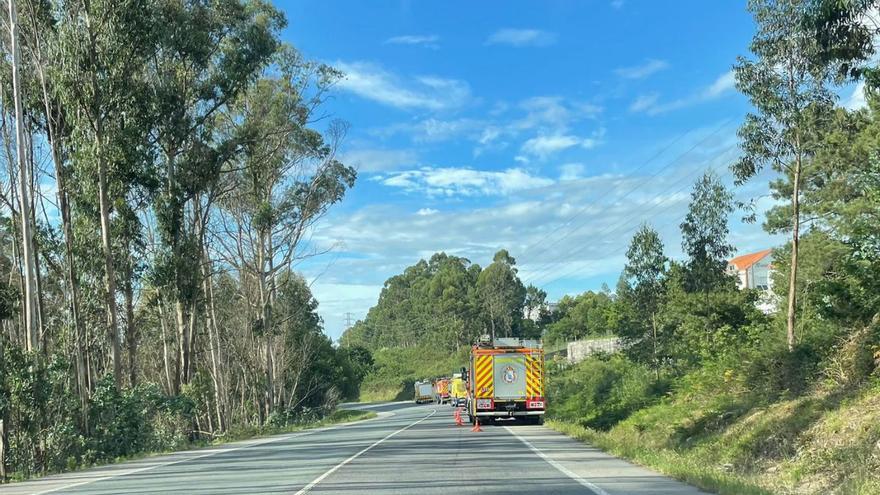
<point x="577" y="267"/>
<point x="540" y="274"/>
<point x="648" y="179"/>
<point x="578" y="212"/>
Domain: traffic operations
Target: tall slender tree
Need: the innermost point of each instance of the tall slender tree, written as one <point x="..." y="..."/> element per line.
<point x="704" y="233"/>
<point x="786" y="86"/>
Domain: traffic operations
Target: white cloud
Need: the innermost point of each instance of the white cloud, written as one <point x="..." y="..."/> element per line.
<point x="571" y="171"/>
<point x="857" y="99"/>
<point x="643" y="70"/>
<point x="534" y="224"/>
<point x="543" y="146"/>
<point x="376" y="159"/>
<point x="425" y="92"/>
<point x="424" y="212"/>
<point x="650" y="103"/>
<point x="644" y="102"/>
<point x="426" y="40"/>
<point x="522" y="37"/>
<point x="460" y="181"/>
<point x="725" y="82"/>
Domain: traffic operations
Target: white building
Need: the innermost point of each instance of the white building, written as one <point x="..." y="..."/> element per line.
<point x="755" y="271"/>
<point x="535" y="313"/>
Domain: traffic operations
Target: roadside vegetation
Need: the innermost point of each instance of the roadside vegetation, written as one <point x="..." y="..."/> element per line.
<point x="164" y="162"/>
<point x="708" y="389"/>
<point x="428" y="316"/>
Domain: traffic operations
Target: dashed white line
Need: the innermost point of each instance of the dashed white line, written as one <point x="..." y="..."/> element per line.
<point x="559" y="467"/>
<point x="335" y="468"/>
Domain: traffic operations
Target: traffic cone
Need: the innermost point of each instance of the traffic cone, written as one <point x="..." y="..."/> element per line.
<point x="476" y="425"/>
<point x="458" y="421"/>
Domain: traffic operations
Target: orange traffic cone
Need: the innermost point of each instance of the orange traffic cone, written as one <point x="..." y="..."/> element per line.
<point x="476" y="425"/>
<point x="458" y="421"/>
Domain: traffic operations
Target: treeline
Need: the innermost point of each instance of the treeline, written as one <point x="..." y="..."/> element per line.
<point x="164" y="164"/>
<point x="710" y="389"/>
<point x="447" y="303"/>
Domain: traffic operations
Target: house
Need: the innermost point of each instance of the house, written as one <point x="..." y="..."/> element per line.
<point x="754" y="271"/>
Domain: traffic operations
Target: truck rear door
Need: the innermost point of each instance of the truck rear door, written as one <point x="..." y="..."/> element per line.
<point x="510" y="376"/>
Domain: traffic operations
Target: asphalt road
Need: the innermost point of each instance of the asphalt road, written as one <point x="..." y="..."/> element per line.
<point x="406" y="450"/>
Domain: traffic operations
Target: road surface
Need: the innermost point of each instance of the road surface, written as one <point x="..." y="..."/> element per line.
<point x="406" y="450"/>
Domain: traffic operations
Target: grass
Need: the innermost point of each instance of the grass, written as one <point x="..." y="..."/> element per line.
<point x="826" y="441"/>
<point x="690" y="469"/>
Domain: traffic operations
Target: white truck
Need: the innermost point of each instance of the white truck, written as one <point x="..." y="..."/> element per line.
<point x="424" y="392"/>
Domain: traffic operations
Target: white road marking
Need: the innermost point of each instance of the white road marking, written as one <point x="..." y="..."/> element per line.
<point x="335" y="468"/>
<point x="559" y="467"/>
<point x="209" y="453"/>
<point x="356" y="407"/>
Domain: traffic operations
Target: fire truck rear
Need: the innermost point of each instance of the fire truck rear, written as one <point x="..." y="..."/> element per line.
<point x="506" y="379"/>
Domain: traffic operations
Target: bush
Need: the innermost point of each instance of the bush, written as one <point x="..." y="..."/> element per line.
<point x="130" y="421"/>
<point x="600" y="392"/>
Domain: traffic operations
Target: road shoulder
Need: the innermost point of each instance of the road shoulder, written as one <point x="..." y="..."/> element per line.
<point x="602" y="473"/>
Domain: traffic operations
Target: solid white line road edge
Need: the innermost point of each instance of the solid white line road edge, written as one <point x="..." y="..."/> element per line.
<point x="559" y="467"/>
<point x="211" y="452"/>
<point x="335" y="468"/>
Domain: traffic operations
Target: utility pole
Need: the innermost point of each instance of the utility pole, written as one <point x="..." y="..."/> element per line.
<point x="27" y="233"/>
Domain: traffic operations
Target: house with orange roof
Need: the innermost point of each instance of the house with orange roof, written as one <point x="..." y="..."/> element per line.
<point x="754" y="271"/>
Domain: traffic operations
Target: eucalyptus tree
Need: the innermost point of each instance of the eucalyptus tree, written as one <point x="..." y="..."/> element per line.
<point x="640" y="291"/>
<point x="501" y="293"/>
<point x="283" y="180"/>
<point x="207" y="54"/>
<point x="99" y="54"/>
<point x="704" y="234"/>
<point x="786" y="84"/>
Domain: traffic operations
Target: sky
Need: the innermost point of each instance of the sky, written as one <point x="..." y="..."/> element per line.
<point x="551" y="129"/>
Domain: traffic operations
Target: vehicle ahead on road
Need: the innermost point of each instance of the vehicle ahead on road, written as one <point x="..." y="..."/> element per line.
<point x="441" y="390"/>
<point x="424" y="391"/>
<point x="506" y="380"/>
<point x="457" y="391"/>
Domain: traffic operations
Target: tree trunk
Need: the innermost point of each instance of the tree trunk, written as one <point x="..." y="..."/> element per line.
<point x="67" y="232"/>
<point x="104" y="205"/>
<point x="171" y="388"/>
<point x="2" y="450"/>
<point x="182" y="345"/>
<point x="210" y="322"/>
<point x="131" y="337"/>
<point x="795" y="240"/>
<point x="27" y="243"/>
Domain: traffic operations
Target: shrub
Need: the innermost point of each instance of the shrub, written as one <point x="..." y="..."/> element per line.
<point x="600" y="392"/>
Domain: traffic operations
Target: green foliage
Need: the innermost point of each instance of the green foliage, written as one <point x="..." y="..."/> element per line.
<point x="600" y="392"/>
<point x="396" y="369"/>
<point x="704" y="234"/>
<point x="135" y="420"/>
<point x="589" y="314"/>
<point x="433" y="302"/>
<point x="501" y="295"/>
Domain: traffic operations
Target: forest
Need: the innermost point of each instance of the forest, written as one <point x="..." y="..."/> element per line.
<point x="165" y="163"/>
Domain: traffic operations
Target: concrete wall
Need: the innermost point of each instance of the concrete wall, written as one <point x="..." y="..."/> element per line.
<point x="581" y="349"/>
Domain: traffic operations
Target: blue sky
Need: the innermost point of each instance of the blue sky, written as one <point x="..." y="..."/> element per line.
<point x="551" y="129"/>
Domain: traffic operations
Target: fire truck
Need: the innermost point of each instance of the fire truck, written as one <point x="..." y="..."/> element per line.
<point x="441" y="391"/>
<point x="505" y="379"/>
